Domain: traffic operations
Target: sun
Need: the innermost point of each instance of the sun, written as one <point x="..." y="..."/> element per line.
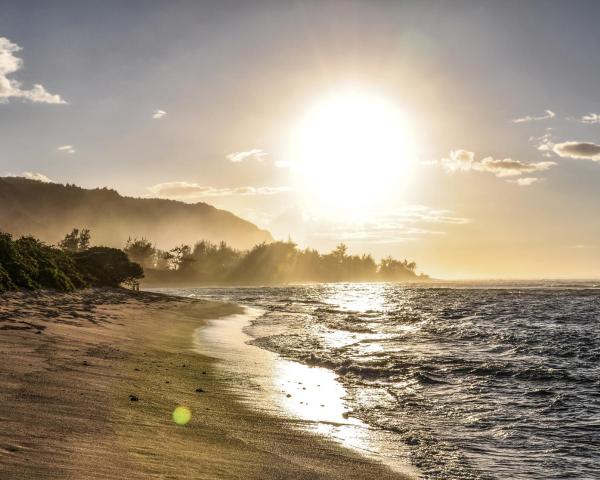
<point x="350" y="150"/>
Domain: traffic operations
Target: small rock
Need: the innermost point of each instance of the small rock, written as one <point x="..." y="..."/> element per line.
<point x="136" y="369"/>
<point x="288" y="395"/>
<point x="199" y="390"/>
<point x="203" y="373"/>
<point x="133" y="398"/>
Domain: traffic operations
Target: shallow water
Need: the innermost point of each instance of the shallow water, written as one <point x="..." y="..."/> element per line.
<point x="311" y="397"/>
<point x="477" y="381"/>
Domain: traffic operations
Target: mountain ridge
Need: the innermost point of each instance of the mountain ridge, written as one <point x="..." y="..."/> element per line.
<point x="50" y="210"/>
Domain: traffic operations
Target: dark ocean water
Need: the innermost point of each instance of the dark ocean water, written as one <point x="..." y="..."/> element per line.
<point x="477" y="381"/>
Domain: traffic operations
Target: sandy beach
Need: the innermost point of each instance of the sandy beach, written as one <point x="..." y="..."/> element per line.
<point x="89" y="380"/>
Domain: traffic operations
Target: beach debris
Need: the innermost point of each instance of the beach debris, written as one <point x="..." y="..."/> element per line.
<point x="288" y="395"/>
<point x="85" y="363"/>
<point x="133" y="398"/>
<point x="203" y="373"/>
<point x="199" y="390"/>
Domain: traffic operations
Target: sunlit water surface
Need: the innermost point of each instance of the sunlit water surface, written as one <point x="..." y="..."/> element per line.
<point x="471" y="381"/>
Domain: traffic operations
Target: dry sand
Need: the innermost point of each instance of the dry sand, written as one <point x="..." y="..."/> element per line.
<point x="69" y="363"/>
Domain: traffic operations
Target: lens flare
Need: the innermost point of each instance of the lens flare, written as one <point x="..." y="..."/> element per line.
<point x="182" y="415"/>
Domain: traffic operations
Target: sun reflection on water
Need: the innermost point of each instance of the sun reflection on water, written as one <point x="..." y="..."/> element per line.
<point x="371" y="297"/>
<point x="310" y="394"/>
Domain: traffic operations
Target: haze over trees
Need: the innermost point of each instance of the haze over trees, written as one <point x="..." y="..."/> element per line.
<point x="276" y="262"/>
<point x="48" y="210"/>
<point x="233" y="251"/>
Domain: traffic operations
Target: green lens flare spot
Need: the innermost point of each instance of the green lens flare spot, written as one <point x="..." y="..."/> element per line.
<point x="182" y="415"/>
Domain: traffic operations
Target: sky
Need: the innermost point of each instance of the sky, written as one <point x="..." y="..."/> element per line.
<point x="462" y="135"/>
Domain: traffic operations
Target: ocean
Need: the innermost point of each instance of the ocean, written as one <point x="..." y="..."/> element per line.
<point x="470" y="380"/>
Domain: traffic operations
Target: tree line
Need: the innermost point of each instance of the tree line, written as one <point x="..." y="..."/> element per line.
<point x="29" y="264"/>
<point x="275" y="262"/>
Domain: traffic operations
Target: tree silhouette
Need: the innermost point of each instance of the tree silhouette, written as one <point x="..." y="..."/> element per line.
<point x="140" y="251"/>
<point x="272" y="262"/>
<point x="76" y="241"/>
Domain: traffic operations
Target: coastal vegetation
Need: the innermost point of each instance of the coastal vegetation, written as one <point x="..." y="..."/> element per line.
<point x="275" y="262"/>
<point x="29" y="264"/>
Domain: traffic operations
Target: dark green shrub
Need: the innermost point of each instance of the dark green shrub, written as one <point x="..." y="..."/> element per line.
<point x="18" y="268"/>
<point x="30" y="264"/>
<point x="6" y="282"/>
<point x="107" y="267"/>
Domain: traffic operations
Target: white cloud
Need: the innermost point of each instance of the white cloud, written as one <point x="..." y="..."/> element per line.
<point x="580" y="150"/>
<point x="11" y="88"/>
<point x="189" y="191"/>
<point x="254" y="154"/>
<point x="422" y="213"/>
<point x="66" y="149"/>
<point x="544" y="143"/>
<point x="158" y="114"/>
<point x="590" y="118"/>
<point x="406" y="223"/>
<point x="529" y="118"/>
<point x="40" y="177"/>
<point x="525" y="181"/>
<point x="465" y="161"/>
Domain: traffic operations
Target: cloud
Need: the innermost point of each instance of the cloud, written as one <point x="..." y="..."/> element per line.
<point x="544" y="143"/>
<point x="421" y="213"/>
<point x="39" y="177"/>
<point x="11" y="88"/>
<point x="66" y="148"/>
<point x="186" y="190"/>
<point x="590" y="118"/>
<point x="464" y="161"/>
<point x="529" y="118"/>
<point x="406" y="223"/>
<point x="525" y="181"/>
<point x="158" y="114"/>
<point x="254" y="154"/>
<point x="581" y="150"/>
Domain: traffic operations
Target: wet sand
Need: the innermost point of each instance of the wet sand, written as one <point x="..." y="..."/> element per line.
<point x="88" y="382"/>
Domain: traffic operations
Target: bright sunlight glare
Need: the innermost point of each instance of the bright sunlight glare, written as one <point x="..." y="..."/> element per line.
<point x="351" y="150"/>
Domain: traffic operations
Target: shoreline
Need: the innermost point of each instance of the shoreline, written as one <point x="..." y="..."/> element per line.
<point x="309" y="398"/>
<point x="67" y="409"/>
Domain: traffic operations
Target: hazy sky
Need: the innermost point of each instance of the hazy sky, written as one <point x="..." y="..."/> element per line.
<point x="199" y="101"/>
